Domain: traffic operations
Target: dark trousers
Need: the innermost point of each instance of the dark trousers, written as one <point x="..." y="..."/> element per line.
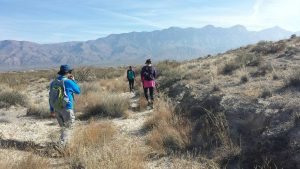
<point x="151" y="91"/>
<point x="131" y="84"/>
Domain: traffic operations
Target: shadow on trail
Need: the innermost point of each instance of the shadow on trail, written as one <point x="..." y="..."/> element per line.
<point x="48" y="150"/>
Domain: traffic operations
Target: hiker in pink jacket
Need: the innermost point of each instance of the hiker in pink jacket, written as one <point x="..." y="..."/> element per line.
<point x="148" y="75"/>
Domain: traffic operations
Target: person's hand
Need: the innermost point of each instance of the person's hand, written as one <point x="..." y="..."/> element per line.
<point x="52" y="114"/>
<point x="71" y="77"/>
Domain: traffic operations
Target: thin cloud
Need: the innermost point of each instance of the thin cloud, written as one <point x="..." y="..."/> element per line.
<point x="129" y="17"/>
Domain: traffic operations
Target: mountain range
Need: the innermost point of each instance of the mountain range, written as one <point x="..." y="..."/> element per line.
<point x="119" y="49"/>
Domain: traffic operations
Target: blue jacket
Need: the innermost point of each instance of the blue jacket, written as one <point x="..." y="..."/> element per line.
<point x="71" y="87"/>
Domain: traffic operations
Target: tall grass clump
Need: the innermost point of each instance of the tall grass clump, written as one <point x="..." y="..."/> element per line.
<point x="10" y="97"/>
<point x="167" y="131"/>
<point x="249" y="59"/>
<point x="107" y="104"/>
<point x="265" y="47"/>
<point x="228" y="68"/>
<point x="97" y="145"/>
<point x="38" y="110"/>
<point x="169" y="73"/>
<point x="27" y="162"/>
<point x="212" y="131"/>
<point x="293" y="80"/>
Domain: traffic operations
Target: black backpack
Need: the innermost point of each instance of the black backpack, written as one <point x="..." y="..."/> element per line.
<point x="148" y="73"/>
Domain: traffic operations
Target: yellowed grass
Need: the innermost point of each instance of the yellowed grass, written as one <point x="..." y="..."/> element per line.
<point x="97" y="145"/>
<point x="27" y="162"/>
<point x="169" y="132"/>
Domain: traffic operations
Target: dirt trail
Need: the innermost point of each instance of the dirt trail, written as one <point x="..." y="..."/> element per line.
<point x="21" y="135"/>
<point x="132" y="128"/>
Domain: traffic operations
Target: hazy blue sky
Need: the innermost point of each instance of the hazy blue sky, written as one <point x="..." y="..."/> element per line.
<point x="47" y="21"/>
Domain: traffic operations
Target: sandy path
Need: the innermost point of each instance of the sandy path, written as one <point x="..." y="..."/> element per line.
<point x="22" y="135"/>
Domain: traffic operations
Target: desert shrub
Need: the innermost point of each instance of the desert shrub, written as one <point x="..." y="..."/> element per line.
<point x="293" y="80"/>
<point x="275" y="76"/>
<point x="228" y="68"/>
<point x="85" y="74"/>
<point x="12" y="98"/>
<point x="92" y="134"/>
<point x="248" y="59"/>
<point x="96" y="145"/>
<point x="27" y="162"/>
<point x="110" y="73"/>
<point x="170" y="76"/>
<point x="40" y="111"/>
<point x="15" y="79"/>
<point x="87" y="87"/>
<point x="193" y="163"/>
<point x="265" y="47"/>
<point x="266" y="164"/>
<point x="266" y="93"/>
<point x="169" y="131"/>
<point x="115" y="85"/>
<point x="165" y="65"/>
<point x="262" y="70"/>
<point x="244" y="79"/>
<point x="211" y="131"/>
<point x="108" y="105"/>
<point x="293" y="36"/>
<point x="216" y="88"/>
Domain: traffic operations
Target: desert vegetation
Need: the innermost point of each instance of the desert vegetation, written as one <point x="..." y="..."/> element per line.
<point x="238" y="109"/>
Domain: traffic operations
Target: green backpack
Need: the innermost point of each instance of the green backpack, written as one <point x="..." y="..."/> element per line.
<point x="58" y="98"/>
<point x="130" y="74"/>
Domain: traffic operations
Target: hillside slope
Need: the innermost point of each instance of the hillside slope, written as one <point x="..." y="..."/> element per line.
<point x="243" y="104"/>
<point x="116" y="49"/>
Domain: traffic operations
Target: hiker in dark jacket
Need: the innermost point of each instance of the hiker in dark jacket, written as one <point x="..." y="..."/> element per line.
<point x="148" y="75"/>
<point x="61" y="101"/>
<point x="130" y="78"/>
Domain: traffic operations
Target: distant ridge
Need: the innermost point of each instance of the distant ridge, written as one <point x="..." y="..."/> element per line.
<point x="117" y="49"/>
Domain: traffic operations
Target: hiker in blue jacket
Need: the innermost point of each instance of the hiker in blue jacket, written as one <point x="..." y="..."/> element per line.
<point x="61" y="100"/>
<point x="131" y="77"/>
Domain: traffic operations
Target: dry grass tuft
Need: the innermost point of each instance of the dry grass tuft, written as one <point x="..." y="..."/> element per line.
<point x="228" y="68"/>
<point x="193" y="162"/>
<point x="27" y="162"/>
<point x="41" y="111"/>
<point x="266" y="93"/>
<point x="114" y="85"/>
<point x="169" y="132"/>
<point x="104" y="104"/>
<point x="244" y="78"/>
<point x="293" y="80"/>
<point x="97" y="146"/>
<point x="92" y="134"/>
<point x="9" y="97"/>
<point x="214" y="131"/>
<point x="265" y="47"/>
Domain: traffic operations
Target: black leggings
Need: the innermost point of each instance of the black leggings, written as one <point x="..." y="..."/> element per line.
<point x="151" y="91"/>
<point x="131" y="84"/>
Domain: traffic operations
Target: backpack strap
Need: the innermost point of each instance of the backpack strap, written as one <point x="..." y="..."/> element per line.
<point x="63" y="83"/>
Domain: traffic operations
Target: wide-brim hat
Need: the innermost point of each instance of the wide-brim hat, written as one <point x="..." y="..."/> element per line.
<point x="64" y="69"/>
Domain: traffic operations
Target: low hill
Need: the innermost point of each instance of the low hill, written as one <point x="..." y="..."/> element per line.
<point x="172" y="43"/>
<point x="243" y="104"/>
